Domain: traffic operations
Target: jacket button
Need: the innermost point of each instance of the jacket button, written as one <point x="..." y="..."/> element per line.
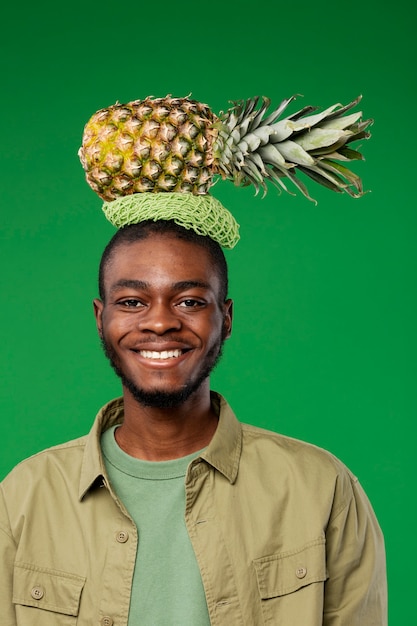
<point x="122" y="536"/>
<point x="37" y="592"/>
<point x="301" y="572"/>
<point x="106" y="621"/>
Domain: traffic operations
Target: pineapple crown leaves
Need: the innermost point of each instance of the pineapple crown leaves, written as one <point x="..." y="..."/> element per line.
<point x="253" y="147"/>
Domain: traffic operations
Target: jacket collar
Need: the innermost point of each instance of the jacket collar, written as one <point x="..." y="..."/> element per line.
<point x="223" y="452"/>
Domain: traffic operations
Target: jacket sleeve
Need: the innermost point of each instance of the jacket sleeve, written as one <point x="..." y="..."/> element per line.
<point x="355" y="592"/>
<point x="7" y="558"/>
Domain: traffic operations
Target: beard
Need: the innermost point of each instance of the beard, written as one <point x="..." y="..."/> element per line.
<point x="166" y="399"/>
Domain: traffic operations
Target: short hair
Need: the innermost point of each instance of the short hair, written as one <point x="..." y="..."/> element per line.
<point x="137" y="232"/>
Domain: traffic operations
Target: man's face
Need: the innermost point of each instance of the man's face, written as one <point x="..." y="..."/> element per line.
<point x="161" y="324"/>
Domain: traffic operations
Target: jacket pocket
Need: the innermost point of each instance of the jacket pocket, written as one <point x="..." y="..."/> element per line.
<point x="285" y="583"/>
<point x="46" y="589"/>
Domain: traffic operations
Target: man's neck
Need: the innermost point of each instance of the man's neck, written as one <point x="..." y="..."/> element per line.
<point x="160" y="434"/>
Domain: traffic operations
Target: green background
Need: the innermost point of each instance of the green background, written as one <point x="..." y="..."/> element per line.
<point x="325" y="336"/>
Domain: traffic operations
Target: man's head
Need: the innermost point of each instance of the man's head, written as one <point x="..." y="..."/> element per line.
<point x="163" y="314"/>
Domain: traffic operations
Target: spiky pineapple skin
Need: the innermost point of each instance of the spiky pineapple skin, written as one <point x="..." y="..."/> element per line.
<point x="151" y="145"/>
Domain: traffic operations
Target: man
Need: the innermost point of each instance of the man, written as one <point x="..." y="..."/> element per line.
<point x="171" y="512"/>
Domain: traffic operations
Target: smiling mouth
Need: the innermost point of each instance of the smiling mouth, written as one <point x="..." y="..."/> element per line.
<point x="162" y="355"/>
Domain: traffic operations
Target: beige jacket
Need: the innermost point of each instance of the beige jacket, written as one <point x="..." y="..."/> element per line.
<point x="282" y="532"/>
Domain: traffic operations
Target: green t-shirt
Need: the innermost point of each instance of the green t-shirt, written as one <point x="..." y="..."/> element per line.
<point x="167" y="588"/>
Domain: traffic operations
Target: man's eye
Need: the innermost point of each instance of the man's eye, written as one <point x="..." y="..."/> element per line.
<point x="131" y="303"/>
<point x="191" y="303"/>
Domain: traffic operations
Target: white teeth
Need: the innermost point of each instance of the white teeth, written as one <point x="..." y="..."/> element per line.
<point x="165" y="354"/>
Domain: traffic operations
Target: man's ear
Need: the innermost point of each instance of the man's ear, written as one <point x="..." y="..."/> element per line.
<point x="228" y="318"/>
<point x="98" y="312"/>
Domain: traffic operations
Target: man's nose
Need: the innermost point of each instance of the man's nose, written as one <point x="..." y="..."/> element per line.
<point x="159" y="319"/>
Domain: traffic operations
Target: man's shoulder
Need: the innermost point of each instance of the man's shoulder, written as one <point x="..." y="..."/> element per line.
<point x="288" y="451"/>
<point x="42" y="462"/>
<point x="69" y="453"/>
<point x="265" y="450"/>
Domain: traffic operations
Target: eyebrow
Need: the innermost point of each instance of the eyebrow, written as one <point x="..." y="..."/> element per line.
<point x="190" y="284"/>
<point x="142" y="284"/>
<point x="129" y="283"/>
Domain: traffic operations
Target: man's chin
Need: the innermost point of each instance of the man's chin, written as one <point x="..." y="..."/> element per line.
<point x="159" y="399"/>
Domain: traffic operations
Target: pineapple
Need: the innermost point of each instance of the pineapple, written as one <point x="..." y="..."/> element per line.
<point x="180" y="145"/>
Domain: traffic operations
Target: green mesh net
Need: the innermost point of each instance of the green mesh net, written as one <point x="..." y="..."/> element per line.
<point x="203" y="214"/>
